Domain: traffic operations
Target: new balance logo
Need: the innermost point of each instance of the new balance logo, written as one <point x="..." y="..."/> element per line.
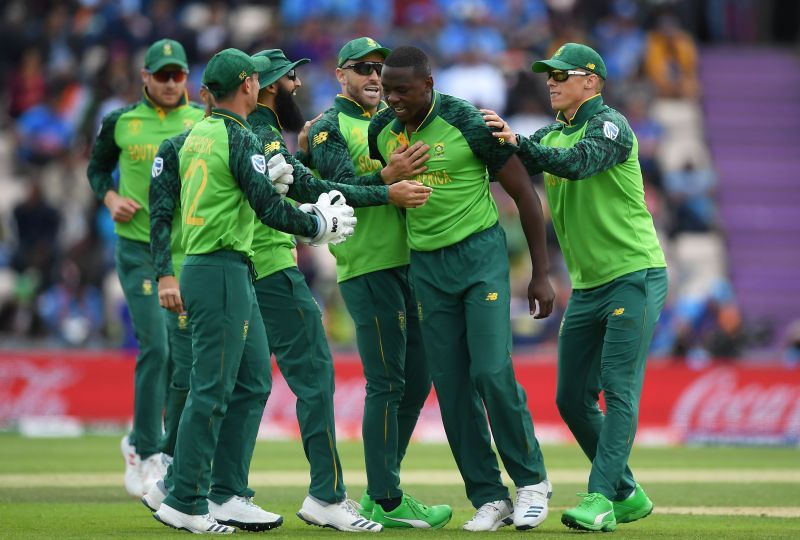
<point x="618" y="312"/>
<point x="491" y="297"/>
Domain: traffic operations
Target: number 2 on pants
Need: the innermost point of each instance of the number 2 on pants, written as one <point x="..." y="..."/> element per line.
<point x="197" y="165"/>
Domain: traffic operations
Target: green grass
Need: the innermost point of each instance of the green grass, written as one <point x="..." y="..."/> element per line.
<point x="100" y="512"/>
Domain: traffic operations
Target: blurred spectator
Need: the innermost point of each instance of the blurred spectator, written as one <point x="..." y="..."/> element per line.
<point x="72" y="309"/>
<point x="620" y="41"/>
<point x="42" y="133"/>
<point x="474" y="78"/>
<point x="671" y="60"/>
<point x="37" y="225"/>
<point x="26" y="85"/>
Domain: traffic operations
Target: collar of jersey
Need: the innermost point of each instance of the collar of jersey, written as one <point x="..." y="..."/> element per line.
<point x="147" y="100"/>
<point x="225" y="114"/>
<point x="585" y="110"/>
<point x="345" y="105"/>
<point x="265" y="114"/>
<point x="399" y="127"/>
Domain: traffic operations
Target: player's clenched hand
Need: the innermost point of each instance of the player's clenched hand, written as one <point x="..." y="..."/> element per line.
<point x="169" y="294"/>
<point x="280" y="173"/>
<point x="302" y="137"/>
<point x="409" y="194"/>
<point x="540" y="292"/>
<point x="494" y="121"/>
<point x="121" y="208"/>
<point x="406" y="162"/>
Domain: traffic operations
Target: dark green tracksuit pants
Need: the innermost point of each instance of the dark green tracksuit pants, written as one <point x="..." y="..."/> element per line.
<point x="602" y="345"/>
<point x="179" y="366"/>
<point x="384" y="309"/>
<point x="228" y="385"/>
<point x="464" y="297"/>
<point x="137" y="277"/>
<point x="297" y="338"/>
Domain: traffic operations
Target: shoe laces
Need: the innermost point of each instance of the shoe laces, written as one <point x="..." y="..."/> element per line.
<point x="529" y="496"/>
<point x="416" y="506"/>
<point x="489" y="510"/>
<point x="591" y="500"/>
<point x="247" y="501"/>
<point x="351" y="507"/>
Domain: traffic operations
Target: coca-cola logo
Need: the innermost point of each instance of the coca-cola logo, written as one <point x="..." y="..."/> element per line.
<point x="29" y="390"/>
<point x="719" y="403"/>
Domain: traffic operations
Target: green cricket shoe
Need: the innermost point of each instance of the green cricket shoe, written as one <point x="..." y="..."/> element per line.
<point x="594" y="513"/>
<point x="637" y="506"/>
<point x="367" y="504"/>
<point x="412" y="514"/>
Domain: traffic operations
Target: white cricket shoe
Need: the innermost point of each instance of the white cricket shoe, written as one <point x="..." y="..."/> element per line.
<point x="152" y="469"/>
<point x="342" y="516"/>
<point x="491" y="516"/>
<point x="133" y="466"/>
<point x="243" y="513"/>
<point x="204" y="524"/>
<point x="530" y="508"/>
<point x="154" y="494"/>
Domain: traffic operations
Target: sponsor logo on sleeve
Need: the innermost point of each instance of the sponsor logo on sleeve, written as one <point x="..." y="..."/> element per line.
<point x="319" y="138"/>
<point x="158" y="167"/>
<point x="610" y="130"/>
<point x="259" y="163"/>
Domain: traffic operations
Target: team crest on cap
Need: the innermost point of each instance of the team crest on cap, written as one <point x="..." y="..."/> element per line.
<point x="610" y="130"/>
<point x="259" y="163"/>
<point x="242" y="75"/>
<point x="158" y="166"/>
<point x="559" y="51"/>
<point x="371" y="42"/>
<point x="167" y="49"/>
<point x="590" y="66"/>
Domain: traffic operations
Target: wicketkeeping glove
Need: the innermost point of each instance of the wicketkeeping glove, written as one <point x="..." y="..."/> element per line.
<point x="280" y="173"/>
<point x="337" y="221"/>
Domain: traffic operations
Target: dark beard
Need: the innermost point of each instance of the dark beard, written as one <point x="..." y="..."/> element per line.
<point x="289" y="114"/>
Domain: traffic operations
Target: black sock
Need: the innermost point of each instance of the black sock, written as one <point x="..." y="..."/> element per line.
<point x="390" y="504"/>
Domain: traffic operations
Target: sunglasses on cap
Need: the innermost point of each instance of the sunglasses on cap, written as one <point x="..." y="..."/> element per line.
<point x="163" y="76"/>
<point x="561" y="76"/>
<point x="365" y="68"/>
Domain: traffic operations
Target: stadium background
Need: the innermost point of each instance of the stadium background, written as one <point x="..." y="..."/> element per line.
<point x="710" y="88"/>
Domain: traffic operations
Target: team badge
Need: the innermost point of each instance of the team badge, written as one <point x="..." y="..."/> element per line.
<point x="135" y="126"/>
<point x="167" y="50"/>
<point x="147" y="287"/>
<point x="245" y="329"/>
<point x="259" y="163"/>
<point x="158" y="166"/>
<point x="401" y="318"/>
<point x="618" y="312"/>
<point x="183" y="321"/>
<point x="371" y="42"/>
<point x="438" y="149"/>
<point x="187" y="123"/>
<point x="610" y="130"/>
<point x="491" y="297"/>
<point x="419" y="310"/>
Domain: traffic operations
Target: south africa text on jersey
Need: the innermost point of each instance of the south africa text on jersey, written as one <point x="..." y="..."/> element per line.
<point x="434" y="178"/>
<point x="142" y="152"/>
<point x="551" y="180"/>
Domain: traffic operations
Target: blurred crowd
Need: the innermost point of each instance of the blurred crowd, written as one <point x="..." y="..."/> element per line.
<point x="64" y="64"/>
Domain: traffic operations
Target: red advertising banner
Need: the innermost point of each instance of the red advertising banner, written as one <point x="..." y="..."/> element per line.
<point x="737" y="403"/>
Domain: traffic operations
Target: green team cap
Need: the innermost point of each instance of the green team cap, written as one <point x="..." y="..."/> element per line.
<point x="571" y="56"/>
<point x="229" y="68"/>
<point x="165" y="52"/>
<point x="359" y="48"/>
<point x="279" y="66"/>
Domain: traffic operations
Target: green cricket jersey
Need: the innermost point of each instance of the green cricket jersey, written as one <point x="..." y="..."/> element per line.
<point x="596" y="194"/>
<point x="273" y="248"/>
<point x="165" y="215"/>
<point x="222" y="169"/>
<point x="339" y="151"/>
<point x="130" y="137"/>
<point x="463" y="156"/>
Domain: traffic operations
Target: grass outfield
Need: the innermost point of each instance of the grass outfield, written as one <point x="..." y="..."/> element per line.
<point x="39" y="497"/>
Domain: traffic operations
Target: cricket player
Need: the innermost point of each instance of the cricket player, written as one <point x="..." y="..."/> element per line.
<point x="129" y="137"/>
<point x="373" y="274"/>
<point x="292" y="317"/>
<point x="223" y="182"/>
<point x="459" y="266"/>
<point x="594" y="186"/>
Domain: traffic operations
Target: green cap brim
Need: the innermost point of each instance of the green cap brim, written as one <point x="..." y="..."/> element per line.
<point x="275" y="75"/>
<point x="543" y="66"/>
<point x="364" y="52"/>
<point x="167" y="61"/>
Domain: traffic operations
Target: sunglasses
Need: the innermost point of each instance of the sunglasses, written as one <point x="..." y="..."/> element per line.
<point x="365" y="68"/>
<point x="165" y="76"/>
<point x="561" y="76"/>
<point x="291" y="75"/>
